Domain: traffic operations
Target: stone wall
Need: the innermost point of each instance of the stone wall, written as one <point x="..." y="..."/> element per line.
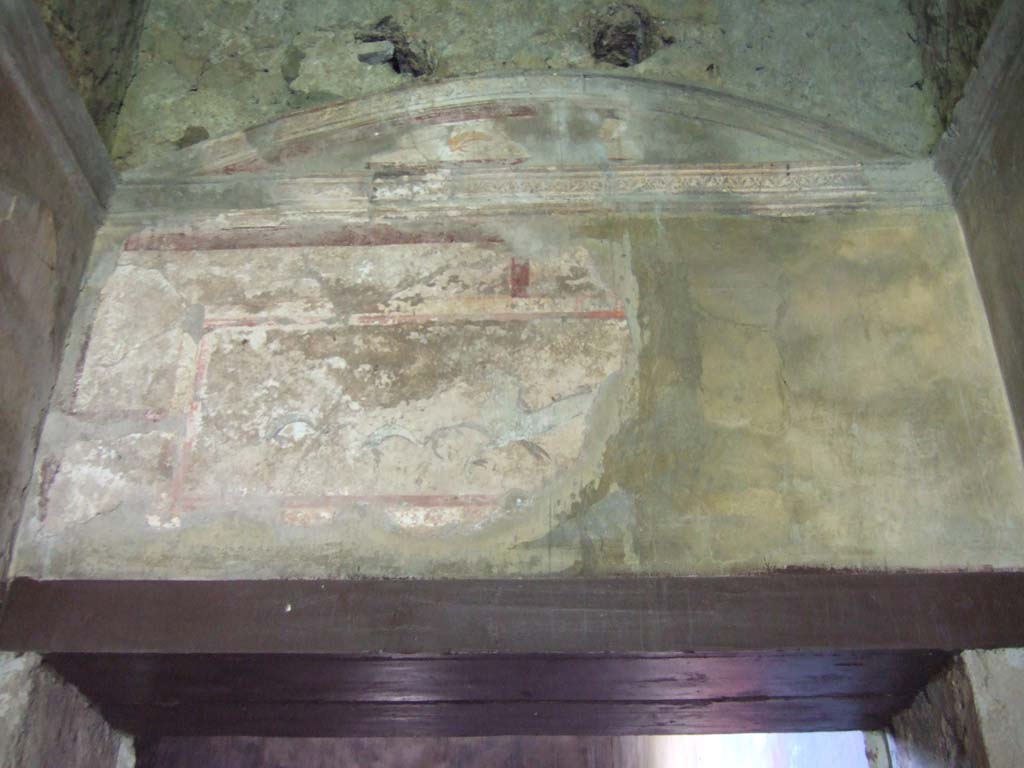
<point x="997" y="678"/>
<point x="209" y="68"/>
<point x="969" y="717"/>
<point x="47" y="723"/>
<point x="99" y="43"/>
<point x="54" y="182"/>
<point x="950" y="34"/>
<point x="981" y="157"/>
<point x="941" y="727"/>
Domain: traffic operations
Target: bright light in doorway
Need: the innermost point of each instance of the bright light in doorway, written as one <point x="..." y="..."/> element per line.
<point x="759" y="750"/>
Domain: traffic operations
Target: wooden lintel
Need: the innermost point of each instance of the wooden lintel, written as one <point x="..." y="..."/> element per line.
<point x="774" y="651"/>
<point x="804" y="611"/>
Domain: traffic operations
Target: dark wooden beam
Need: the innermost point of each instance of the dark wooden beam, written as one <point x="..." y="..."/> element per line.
<point x="805" y="611"/>
<point x="686" y="677"/>
<point x="285" y="695"/>
<point x="506" y="718"/>
<point x="773" y="651"/>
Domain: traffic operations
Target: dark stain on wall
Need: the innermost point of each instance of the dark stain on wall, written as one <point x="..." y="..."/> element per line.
<point x="941" y="727"/>
<point x="950" y="33"/>
<point x="99" y="42"/>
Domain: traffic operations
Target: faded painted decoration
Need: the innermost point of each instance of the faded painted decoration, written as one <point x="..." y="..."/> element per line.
<point x="418" y="384"/>
<point x="502" y="327"/>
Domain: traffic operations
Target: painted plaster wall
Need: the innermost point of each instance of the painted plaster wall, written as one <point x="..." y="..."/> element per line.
<point x="98" y="42"/>
<point x="212" y="68"/>
<point x="46" y="722"/>
<point x="699" y="394"/>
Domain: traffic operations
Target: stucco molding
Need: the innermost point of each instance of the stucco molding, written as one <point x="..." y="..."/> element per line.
<point x="772" y="189"/>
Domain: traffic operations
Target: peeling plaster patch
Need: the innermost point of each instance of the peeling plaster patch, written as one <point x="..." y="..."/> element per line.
<point x="472" y="142"/>
<point x="491" y="394"/>
<point x="472" y="412"/>
<point x="134" y="356"/>
<point x="477" y="409"/>
<point x="87" y="490"/>
<point x="99" y="478"/>
<point x="430" y="518"/>
<point x="395" y="186"/>
<point x="292" y="432"/>
<point x="307" y="517"/>
<point x="234" y="285"/>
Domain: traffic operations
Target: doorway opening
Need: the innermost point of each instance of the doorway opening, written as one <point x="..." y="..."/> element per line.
<point x="841" y="749"/>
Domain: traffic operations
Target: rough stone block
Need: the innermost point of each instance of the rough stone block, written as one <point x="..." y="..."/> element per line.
<point x="46" y="722"/>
